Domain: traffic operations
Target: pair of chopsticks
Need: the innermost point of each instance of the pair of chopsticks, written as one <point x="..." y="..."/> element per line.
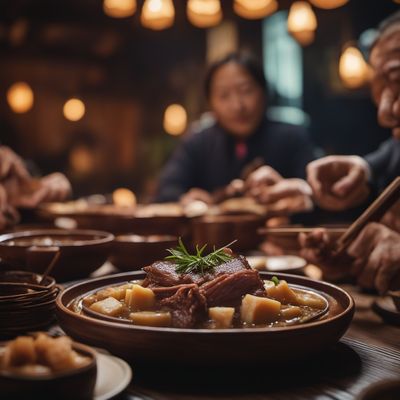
<point x="372" y="214"/>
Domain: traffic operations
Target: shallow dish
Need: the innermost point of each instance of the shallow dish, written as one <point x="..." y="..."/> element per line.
<point x="79" y="381"/>
<point x="133" y="252"/>
<point x="277" y="263"/>
<point x="207" y="346"/>
<point x="81" y="251"/>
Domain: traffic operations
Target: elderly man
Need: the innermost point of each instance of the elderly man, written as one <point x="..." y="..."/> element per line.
<point x="341" y="182"/>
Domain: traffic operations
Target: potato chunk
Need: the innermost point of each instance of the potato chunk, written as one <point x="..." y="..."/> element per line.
<point x="151" y="318"/>
<point x="108" y="306"/>
<point x="291" y="312"/>
<point x="282" y="292"/>
<point x="259" y="310"/>
<point x="117" y="292"/>
<point x="222" y="316"/>
<point x="139" y="298"/>
<point x="307" y="299"/>
<point x="19" y="352"/>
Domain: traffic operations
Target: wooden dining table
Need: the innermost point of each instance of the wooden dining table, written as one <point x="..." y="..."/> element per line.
<point x="368" y="353"/>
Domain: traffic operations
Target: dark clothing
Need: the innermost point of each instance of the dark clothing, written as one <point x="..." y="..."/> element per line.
<point x="211" y="159"/>
<point x="384" y="163"/>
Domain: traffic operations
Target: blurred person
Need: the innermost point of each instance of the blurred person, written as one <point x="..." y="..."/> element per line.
<point x="341" y="182"/>
<point x="19" y="189"/>
<point x="240" y="139"/>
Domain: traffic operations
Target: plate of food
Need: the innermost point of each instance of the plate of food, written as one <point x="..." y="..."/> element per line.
<point x="205" y="309"/>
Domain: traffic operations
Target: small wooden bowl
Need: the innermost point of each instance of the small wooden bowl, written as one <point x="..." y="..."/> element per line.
<point x="133" y="252"/>
<point x="220" y="230"/>
<point x="81" y="251"/>
<point x="77" y="383"/>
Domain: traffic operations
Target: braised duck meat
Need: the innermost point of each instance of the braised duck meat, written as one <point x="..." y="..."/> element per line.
<point x="163" y="273"/>
<point x="227" y="290"/>
<point x="188" y="307"/>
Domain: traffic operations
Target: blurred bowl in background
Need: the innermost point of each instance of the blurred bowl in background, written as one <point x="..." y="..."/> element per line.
<point x="81" y="251"/>
<point x="133" y="252"/>
<point x="220" y="230"/>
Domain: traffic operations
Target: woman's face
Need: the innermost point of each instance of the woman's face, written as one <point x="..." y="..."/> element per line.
<point x="237" y="100"/>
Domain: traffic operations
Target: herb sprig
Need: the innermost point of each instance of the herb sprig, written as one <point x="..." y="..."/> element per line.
<point x="198" y="263"/>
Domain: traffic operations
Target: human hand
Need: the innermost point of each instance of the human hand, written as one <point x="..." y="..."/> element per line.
<point x="8" y="214"/>
<point x="11" y="165"/>
<point x="261" y="177"/>
<point x="376" y="251"/>
<point x="338" y="182"/>
<point x="195" y="194"/>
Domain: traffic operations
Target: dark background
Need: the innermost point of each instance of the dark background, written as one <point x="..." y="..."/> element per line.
<point x="127" y="75"/>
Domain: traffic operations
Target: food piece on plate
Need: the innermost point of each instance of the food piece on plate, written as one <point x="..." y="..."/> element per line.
<point x="228" y="289"/>
<point x="151" y="318"/>
<point x="291" y="312"/>
<point x="139" y="298"/>
<point x="19" y="352"/>
<point x="259" y="310"/>
<point x="222" y="316"/>
<point x="109" y="306"/>
<point x="307" y="299"/>
<point x="41" y="355"/>
<point x="163" y="273"/>
<point x="118" y="292"/>
<point x="187" y="307"/>
<point x="282" y="292"/>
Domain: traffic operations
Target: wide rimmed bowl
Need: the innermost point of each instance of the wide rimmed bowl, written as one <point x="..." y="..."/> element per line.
<point x="81" y="251"/>
<point x="149" y="219"/>
<point x="207" y="346"/>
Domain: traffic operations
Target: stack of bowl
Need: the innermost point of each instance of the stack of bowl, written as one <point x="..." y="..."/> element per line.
<point x="25" y="305"/>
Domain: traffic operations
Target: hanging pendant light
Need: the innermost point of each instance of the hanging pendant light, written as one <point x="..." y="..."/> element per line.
<point x="20" y="97"/>
<point x="74" y="109"/>
<point x="157" y="14"/>
<point x="255" y="9"/>
<point x="328" y="4"/>
<point x="302" y="22"/>
<point x="204" y="13"/>
<point x="119" y="8"/>
<point x="353" y="70"/>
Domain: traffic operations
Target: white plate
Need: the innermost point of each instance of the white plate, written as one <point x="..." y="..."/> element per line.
<point x="113" y="376"/>
<point x="277" y="263"/>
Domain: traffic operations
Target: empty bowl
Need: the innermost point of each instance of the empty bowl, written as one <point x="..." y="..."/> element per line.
<point x="133" y="252"/>
<point x="81" y="251"/>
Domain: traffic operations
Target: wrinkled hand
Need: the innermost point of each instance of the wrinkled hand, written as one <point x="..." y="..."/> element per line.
<point x="11" y="165"/>
<point x="318" y="247"/>
<point x="392" y="218"/>
<point x="195" y="194"/>
<point x="263" y="176"/>
<point x="53" y="187"/>
<point x="377" y="258"/>
<point x="338" y="182"/>
<point x="287" y="196"/>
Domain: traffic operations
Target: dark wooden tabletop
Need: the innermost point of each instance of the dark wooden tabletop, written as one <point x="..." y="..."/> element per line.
<point x="368" y="353"/>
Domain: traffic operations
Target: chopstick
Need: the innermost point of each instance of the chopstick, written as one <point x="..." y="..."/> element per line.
<point x="296" y="230"/>
<point x="373" y="213"/>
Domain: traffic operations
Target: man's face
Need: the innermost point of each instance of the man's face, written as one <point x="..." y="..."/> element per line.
<point x="385" y="61"/>
<point x="237" y="100"/>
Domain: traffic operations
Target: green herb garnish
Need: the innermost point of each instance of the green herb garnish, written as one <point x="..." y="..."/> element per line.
<point x="275" y="280"/>
<point x="186" y="262"/>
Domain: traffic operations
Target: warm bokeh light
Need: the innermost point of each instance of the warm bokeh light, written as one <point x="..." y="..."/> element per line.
<point x="119" y="8"/>
<point x="328" y="4"/>
<point x="175" y="119"/>
<point x="20" y="97"/>
<point x="123" y="197"/>
<point x="353" y="70"/>
<point x="157" y="14"/>
<point x="255" y="9"/>
<point x="81" y="160"/>
<point x="302" y="22"/>
<point x="204" y="13"/>
<point x="74" y="109"/>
